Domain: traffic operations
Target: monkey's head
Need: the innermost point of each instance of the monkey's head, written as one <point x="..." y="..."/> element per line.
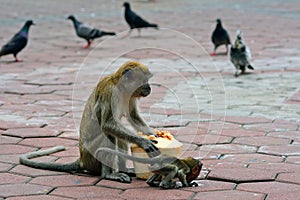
<point x="132" y="78"/>
<point x="195" y="167"/>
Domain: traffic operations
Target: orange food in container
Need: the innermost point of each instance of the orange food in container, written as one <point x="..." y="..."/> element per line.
<point x="166" y="143"/>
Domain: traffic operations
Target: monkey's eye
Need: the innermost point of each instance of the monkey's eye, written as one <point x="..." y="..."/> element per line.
<point x="128" y="74"/>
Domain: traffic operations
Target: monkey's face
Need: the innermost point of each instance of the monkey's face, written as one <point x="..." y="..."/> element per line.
<point x="135" y="82"/>
<point x="195" y="168"/>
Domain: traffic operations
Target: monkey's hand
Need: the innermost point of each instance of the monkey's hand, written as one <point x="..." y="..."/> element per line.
<point x="149" y="147"/>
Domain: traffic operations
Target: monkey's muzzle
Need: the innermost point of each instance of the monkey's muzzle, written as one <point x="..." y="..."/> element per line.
<point x="145" y="90"/>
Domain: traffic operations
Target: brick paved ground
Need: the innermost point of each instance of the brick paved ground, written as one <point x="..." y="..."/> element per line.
<point x="245" y="129"/>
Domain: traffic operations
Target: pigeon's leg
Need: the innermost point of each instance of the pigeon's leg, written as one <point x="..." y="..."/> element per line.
<point x="243" y="68"/>
<point x="226" y="49"/>
<point x="139" y="32"/>
<point x="17" y="60"/>
<point x="88" y="45"/>
<point x="128" y="33"/>
<point x="214" y="52"/>
<point x="236" y="74"/>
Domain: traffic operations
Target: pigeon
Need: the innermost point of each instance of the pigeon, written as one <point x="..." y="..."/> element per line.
<point x="220" y="37"/>
<point x="87" y="32"/>
<point x="240" y="54"/>
<point x="135" y="21"/>
<point x="17" y="42"/>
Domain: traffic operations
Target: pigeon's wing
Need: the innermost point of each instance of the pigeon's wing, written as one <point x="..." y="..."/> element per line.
<point x="135" y="21"/>
<point x="16" y="44"/>
<point x="84" y="31"/>
<point x="140" y="22"/>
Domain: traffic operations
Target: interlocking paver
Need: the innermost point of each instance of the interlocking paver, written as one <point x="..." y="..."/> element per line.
<point x="246" y="130"/>
<point x="20" y="189"/>
<point x="230" y="195"/>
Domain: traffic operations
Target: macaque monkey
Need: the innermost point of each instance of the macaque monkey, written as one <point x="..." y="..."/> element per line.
<point x="114" y="97"/>
<point x="165" y="168"/>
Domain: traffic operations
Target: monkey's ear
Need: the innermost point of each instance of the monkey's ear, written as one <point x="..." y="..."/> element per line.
<point x="195" y="170"/>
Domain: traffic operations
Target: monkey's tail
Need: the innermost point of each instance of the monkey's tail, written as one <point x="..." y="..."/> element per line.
<point x="69" y="167"/>
<point x="129" y="157"/>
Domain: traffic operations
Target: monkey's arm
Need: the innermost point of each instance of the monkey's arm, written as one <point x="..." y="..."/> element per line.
<point x="116" y="129"/>
<point x="136" y="120"/>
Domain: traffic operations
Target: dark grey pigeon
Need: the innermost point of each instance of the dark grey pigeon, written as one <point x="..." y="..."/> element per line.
<point x="17" y="42"/>
<point x="135" y="21"/>
<point x="240" y="55"/>
<point x="87" y="32"/>
<point x="220" y="37"/>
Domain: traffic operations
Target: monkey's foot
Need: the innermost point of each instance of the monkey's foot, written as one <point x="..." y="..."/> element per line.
<point x="167" y="185"/>
<point x="121" y="177"/>
<point x="130" y="172"/>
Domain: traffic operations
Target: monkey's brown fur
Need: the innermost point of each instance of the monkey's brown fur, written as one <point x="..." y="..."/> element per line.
<point x="165" y="168"/>
<point x="114" y="97"/>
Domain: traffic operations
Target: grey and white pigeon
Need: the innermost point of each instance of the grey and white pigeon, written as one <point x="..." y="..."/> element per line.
<point x="87" y="32"/>
<point x="220" y="37"/>
<point x="240" y="55"/>
<point x="135" y="21"/>
<point x="17" y="42"/>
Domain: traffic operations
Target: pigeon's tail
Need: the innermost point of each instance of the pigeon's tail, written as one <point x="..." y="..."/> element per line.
<point x="107" y="33"/>
<point x="239" y="35"/>
<point x="153" y="25"/>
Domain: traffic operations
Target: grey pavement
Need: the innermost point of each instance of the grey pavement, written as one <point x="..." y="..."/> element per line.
<point x="245" y="129"/>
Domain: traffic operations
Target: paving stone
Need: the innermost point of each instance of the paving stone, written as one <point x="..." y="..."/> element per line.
<point x="204" y="139"/>
<point x="228" y="148"/>
<point x="230" y="195"/>
<point x="136" y="183"/>
<point x="292" y="177"/>
<point x="48" y="142"/>
<point x="282" y="150"/>
<point x="64" y="180"/>
<point x="261" y="140"/>
<point x="247" y="120"/>
<point x="269" y="187"/>
<point x="7" y="178"/>
<point x="15" y="149"/>
<point x="276" y="167"/>
<point x="5" y="167"/>
<point x="283" y="195"/>
<point x="251" y="158"/>
<point x="209" y="185"/>
<point x="87" y="192"/>
<point x="22" y="189"/>
<point x="38" y="197"/>
<point x="150" y="193"/>
<point x="9" y="140"/>
<point x="287" y="134"/>
<point x="31" y="132"/>
<point x="241" y="133"/>
<point x="219" y="164"/>
<point x="271" y="127"/>
<point x="241" y="174"/>
<point x="293" y="159"/>
<point x="32" y="172"/>
<point x="10" y="158"/>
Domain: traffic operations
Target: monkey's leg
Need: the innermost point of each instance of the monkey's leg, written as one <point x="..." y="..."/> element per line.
<point x="154" y="180"/>
<point x="122" y="146"/>
<point x="182" y="177"/>
<point x="171" y="171"/>
<point x="108" y="173"/>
